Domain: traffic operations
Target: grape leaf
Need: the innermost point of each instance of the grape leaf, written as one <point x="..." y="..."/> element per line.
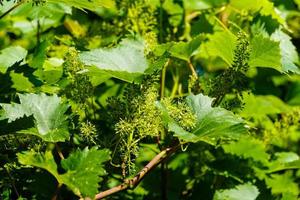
<point x="213" y="123"/>
<point x="48" y="112"/>
<point x="289" y="55"/>
<point x="279" y="182"/>
<point x="221" y="44"/>
<point x="84" y="169"/>
<point x="184" y="50"/>
<point x="42" y="160"/>
<point x="261" y="105"/>
<point x="264" y="7"/>
<point x="5" y="6"/>
<point x="265" y="53"/>
<point x="248" y="148"/>
<point x="175" y="11"/>
<point x="285" y="160"/>
<point x="276" y="52"/>
<point x="27" y="18"/>
<point x="193" y="5"/>
<point x="10" y="56"/>
<point x="251" y="148"/>
<point x="53" y="11"/>
<point x="21" y="83"/>
<point x="126" y="61"/>
<point x="245" y="192"/>
<point x="39" y="55"/>
<point x="51" y="70"/>
<point x="172" y="8"/>
<point x="286" y="157"/>
<point x="86" y="4"/>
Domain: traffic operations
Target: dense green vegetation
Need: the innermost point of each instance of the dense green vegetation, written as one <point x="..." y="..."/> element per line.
<point x="150" y="99"/>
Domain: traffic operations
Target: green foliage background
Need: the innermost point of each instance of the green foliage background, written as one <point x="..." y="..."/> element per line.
<point x="92" y="90"/>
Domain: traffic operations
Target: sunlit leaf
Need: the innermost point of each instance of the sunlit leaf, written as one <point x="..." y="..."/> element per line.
<point x="21" y="83"/>
<point x="175" y="11"/>
<point x="278" y="183"/>
<point x="264" y="7"/>
<point x="285" y="160"/>
<point x="126" y="61"/>
<point x="10" y="56"/>
<point x="39" y="55"/>
<point x="84" y="169"/>
<point x="185" y="50"/>
<point x="248" y="148"/>
<point x="265" y="53"/>
<point x="289" y="55"/>
<point x="221" y="44"/>
<point x="86" y="4"/>
<point x="213" y="123"/>
<point x="245" y="192"/>
<point x="53" y="11"/>
<point x="42" y="160"/>
<point x="262" y="105"/>
<point x="51" y="71"/>
<point x="203" y="4"/>
<point x="48" y="112"/>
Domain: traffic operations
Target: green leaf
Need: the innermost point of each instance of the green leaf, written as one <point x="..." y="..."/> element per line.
<point x="284" y="161"/>
<point x="53" y="11"/>
<point x="6" y="5"/>
<point x="26" y="17"/>
<point x="276" y="52"/>
<point x="245" y="192"/>
<point x="282" y="183"/>
<point x="221" y="44"/>
<point x="298" y="3"/>
<point x="86" y="4"/>
<point x="246" y="4"/>
<point x="264" y="7"/>
<point x="127" y="61"/>
<point x="193" y="5"/>
<point x="21" y="83"/>
<point x="42" y="160"/>
<point x="84" y="169"/>
<point x="248" y="148"/>
<point x="51" y="70"/>
<point x="175" y="11"/>
<point x="48" y="112"/>
<point x="10" y="55"/>
<point x="172" y="8"/>
<point x="265" y="53"/>
<point x="286" y="157"/>
<point x="185" y="50"/>
<point x="39" y="55"/>
<point x="258" y="106"/>
<point x="289" y="55"/>
<point x="213" y="123"/>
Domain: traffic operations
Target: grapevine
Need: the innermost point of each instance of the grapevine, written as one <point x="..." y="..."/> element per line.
<point x="149" y="99"/>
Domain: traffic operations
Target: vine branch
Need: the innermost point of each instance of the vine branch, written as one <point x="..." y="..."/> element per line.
<point x="132" y="183"/>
